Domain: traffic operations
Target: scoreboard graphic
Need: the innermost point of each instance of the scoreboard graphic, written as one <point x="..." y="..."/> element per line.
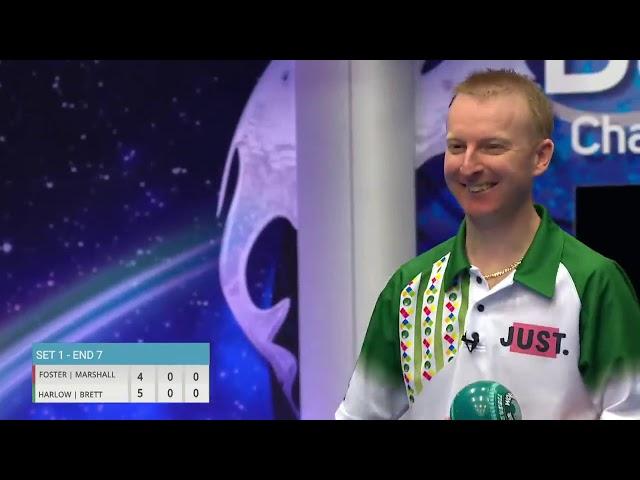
<point x="120" y="373"/>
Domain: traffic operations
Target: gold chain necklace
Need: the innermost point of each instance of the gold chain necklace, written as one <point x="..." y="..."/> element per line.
<point x="503" y="271"/>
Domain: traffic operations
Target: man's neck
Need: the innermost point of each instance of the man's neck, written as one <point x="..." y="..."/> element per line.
<point x="496" y="244"/>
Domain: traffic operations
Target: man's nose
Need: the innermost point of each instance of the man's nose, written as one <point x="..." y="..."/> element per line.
<point x="471" y="164"/>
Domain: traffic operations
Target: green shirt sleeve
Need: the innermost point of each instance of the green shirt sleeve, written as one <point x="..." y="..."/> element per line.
<point x="380" y="353"/>
<point x="609" y="326"/>
<point x="376" y="389"/>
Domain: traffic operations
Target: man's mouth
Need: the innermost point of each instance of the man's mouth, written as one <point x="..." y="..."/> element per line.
<point x="480" y="187"/>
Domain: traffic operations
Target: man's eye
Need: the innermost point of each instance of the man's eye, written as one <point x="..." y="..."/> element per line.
<point x="495" y="146"/>
<point x="456" y="148"/>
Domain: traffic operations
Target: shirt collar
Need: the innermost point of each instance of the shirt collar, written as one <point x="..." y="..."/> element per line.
<point x="539" y="266"/>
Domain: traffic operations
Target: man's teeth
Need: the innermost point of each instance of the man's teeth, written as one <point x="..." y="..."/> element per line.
<point x="480" y="188"/>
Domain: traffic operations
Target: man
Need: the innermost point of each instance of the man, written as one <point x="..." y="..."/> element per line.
<point x="511" y="298"/>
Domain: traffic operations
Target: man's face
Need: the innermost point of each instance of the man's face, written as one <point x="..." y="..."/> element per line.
<point x="492" y="155"/>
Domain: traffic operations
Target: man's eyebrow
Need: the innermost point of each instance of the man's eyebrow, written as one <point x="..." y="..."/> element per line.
<point x="482" y="141"/>
<point x="495" y="139"/>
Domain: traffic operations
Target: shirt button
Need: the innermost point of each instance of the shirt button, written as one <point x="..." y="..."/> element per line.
<point x="480" y="308"/>
<point x="479" y="280"/>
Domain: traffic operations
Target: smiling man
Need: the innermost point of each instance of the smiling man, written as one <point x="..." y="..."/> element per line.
<point x="538" y="311"/>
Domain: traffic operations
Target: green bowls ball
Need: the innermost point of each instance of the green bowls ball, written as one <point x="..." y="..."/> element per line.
<point x="485" y="400"/>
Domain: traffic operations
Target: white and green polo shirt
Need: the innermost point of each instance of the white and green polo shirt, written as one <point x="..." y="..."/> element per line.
<point x="562" y="332"/>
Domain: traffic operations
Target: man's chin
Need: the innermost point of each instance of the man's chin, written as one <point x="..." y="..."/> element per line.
<point x="483" y="214"/>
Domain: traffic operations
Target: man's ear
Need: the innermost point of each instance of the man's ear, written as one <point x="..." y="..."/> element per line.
<point x="543" y="153"/>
